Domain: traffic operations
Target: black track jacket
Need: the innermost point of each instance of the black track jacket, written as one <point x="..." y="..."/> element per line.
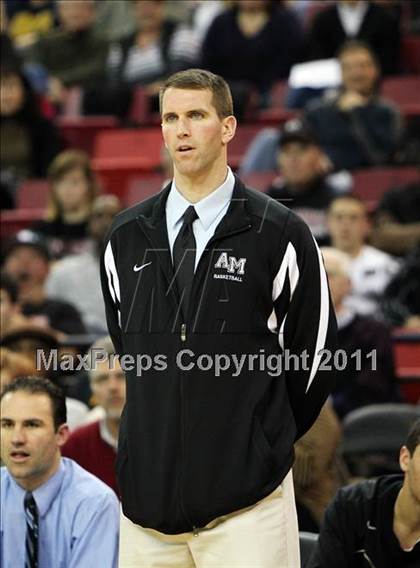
<point x="194" y="445"/>
<point x="358" y="528"/>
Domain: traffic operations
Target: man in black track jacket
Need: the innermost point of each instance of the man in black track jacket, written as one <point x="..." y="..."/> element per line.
<point x="206" y="286"/>
<point x="376" y="523"/>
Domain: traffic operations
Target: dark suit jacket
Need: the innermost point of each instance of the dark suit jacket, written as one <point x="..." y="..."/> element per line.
<point x="379" y="29"/>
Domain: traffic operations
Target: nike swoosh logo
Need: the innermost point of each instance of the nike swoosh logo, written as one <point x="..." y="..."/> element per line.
<point x="370" y="527"/>
<point x="137" y="268"/>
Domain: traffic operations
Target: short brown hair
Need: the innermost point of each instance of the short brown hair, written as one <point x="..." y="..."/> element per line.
<point x="413" y="438"/>
<point x="64" y="163"/>
<point x="201" y="80"/>
<point x="40" y="385"/>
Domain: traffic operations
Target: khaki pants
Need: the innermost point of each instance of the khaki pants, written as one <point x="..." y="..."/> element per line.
<point x="262" y="536"/>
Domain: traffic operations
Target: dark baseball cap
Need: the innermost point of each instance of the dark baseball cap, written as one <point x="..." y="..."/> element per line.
<point x="296" y="130"/>
<point x="28" y="238"/>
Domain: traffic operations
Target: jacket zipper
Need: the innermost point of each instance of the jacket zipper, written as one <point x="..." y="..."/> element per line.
<point x="183" y="444"/>
<point x="183" y="334"/>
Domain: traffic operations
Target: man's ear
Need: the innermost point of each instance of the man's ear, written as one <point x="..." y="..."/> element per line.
<point x="228" y="129"/>
<point x="62" y="434"/>
<point x="404" y="458"/>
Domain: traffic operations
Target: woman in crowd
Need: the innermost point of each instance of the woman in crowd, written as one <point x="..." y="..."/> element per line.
<point x="29" y="141"/>
<point x="72" y="191"/>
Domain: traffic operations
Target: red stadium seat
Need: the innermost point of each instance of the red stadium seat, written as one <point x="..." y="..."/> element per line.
<point x="32" y="194"/>
<point x="140" y="106"/>
<point x="141" y="143"/>
<point x="237" y="147"/>
<point x="140" y="189"/>
<point x="370" y="185"/>
<point x="274" y="116"/>
<point x="410" y="53"/>
<point x="122" y="155"/>
<point x="406" y="345"/>
<point x="402" y="90"/>
<point x="80" y="132"/>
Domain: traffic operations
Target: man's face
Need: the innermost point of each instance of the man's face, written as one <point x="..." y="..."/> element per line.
<point x="194" y="134"/>
<point x="410" y="464"/>
<point x="299" y="163"/>
<point x="149" y="14"/>
<point x="339" y="283"/>
<point x="108" y="386"/>
<point x="28" y="267"/>
<point x="76" y="16"/>
<point x="359" y="70"/>
<point x="347" y="224"/>
<point x="12" y="95"/>
<point x="103" y="212"/>
<point x="29" y="443"/>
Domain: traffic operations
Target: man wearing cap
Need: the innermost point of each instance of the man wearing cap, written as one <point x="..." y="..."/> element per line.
<point x="303" y="185"/>
<point x="27" y="261"/>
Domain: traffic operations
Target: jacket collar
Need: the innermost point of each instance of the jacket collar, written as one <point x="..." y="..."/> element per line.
<point x="236" y="218"/>
<point x="154" y="226"/>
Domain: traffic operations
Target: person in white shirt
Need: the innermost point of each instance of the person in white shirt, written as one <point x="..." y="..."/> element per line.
<point x="371" y="269"/>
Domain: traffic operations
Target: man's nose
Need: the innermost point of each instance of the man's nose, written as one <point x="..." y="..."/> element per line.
<point x="182" y="128"/>
<point x="18" y="436"/>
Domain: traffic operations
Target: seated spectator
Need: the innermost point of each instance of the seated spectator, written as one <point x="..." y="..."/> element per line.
<point x="72" y="192"/>
<point x="54" y="513"/>
<point x="27" y="260"/>
<point x="303" y="186"/>
<point x="94" y="446"/>
<point x="254" y="43"/>
<point x="375" y="522"/>
<point x="76" y="279"/>
<point x="356" y="128"/>
<point x="157" y="48"/>
<point x="368" y="376"/>
<point x="29" y="142"/>
<point x="29" y="20"/>
<point x="397" y="220"/>
<point x="317" y="470"/>
<point x="370" y="269"/>
<point x="10" y="312"/>
<point x="73" y="54"/>
<point x="14" y="365"/>
<point x="358" y="20"/>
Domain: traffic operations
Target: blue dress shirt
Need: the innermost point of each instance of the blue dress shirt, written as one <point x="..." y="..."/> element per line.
<point x="78" y="521"/>
<point x="210" y="211"/>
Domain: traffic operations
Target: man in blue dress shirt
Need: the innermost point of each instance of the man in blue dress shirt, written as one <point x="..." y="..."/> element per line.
<point x="54" y="513"/>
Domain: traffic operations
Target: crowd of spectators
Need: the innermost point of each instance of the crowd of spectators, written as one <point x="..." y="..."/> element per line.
<point x="94" y="56"/>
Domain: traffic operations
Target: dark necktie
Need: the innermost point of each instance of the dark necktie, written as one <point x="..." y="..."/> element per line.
<point x="184" y="257"/>
<point x="31" y="540"/>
